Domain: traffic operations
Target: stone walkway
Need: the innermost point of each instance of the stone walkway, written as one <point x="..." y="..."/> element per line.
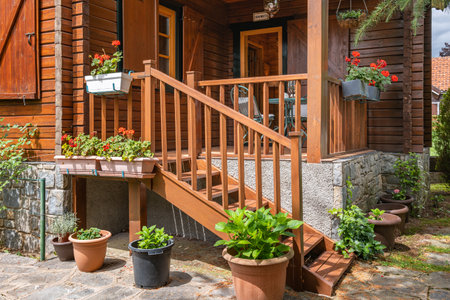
<point x="197" y="272"/>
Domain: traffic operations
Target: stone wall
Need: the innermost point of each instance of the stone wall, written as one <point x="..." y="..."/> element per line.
<point x="19" y="223"/>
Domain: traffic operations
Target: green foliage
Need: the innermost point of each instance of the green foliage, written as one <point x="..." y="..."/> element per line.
<point x="64" y="224"/>
<point x="82" y="145"/>
<point x="12" y="152"/>
<point x="89" y="234"/>
<point x="104" y="64"/>
<point x="386" y="9"/>
<point x="399" y="194"/>
<point x="152" y="237"/>
<point x="376" y="214"/>
<point x="442" y="137"/>
<point x="256" y="235"/>
<point x="355" y="232"/>
<point x="350" y="14"/>
<point x="408" y="173"/>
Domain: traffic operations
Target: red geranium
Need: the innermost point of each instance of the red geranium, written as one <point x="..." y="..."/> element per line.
<point x="381" y="63"/>
<point x="356" y="61"/>
<point x="106" y="147"/>
<point x="129" y="132"/>
<point x="373" y="65"/>
<point x="394" y="78"/>
<point x="121" y="130"/>
<point x="356" y="54"/>
<point x="64" y="137"/>
<point x="116" y="43"/>
<point x="347" y="59"/>
<point x="385" y="73"/>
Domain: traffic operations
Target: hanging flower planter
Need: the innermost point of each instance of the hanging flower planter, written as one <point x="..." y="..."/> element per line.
<point x="351" y="18"/>
<point x="136" y="166"/>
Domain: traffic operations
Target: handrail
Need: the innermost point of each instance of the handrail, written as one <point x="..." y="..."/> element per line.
<point x="260" y="79"/>
<point x="334" y="80"/>
<point x="223" y="109"/>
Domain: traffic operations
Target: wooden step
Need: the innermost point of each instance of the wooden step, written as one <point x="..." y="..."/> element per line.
<point x="311" y="240"/>
<point x="249" y="203"/>
<point x="217" y="190"/>
<point x="187" y="176"/>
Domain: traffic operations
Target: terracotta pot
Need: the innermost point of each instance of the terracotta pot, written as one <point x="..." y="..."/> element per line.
<point x="137" y="166"/>
<point x="387" y="198"/>
<point x="64" y="250"/>
<point x="397" y="209"/>
<point x="386" y="227"/>
<point x="381" y="239"/>
<point x="263" y="279"/>
<point x="90" y="254"/>
<point x="81" y="165"/>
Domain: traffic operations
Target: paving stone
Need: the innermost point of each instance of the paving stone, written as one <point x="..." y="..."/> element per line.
<point x="437" y="243"/>
<point x="55" y="263"/>
<point x="8" y="258"/>
<point x="439" y="294"/>
<point x="40" y="276"/>
<point x="96" y="280"/>
<point x="439" y="259"/>
<point x="439" y="280"/>
<point x="396" y="271"/>
<point x="115" y="293"/>
<point x="21" y="292"/>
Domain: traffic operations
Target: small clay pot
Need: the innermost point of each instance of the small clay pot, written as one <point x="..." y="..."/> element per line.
<point x="397" y="209"/>
<point x="386" y="227"/>
<point x="90" y="254"/>
<point x="64" y="250"/>
<point x="262" y="279"/>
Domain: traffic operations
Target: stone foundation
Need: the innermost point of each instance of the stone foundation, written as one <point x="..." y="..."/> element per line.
<point x="19" y="223"/>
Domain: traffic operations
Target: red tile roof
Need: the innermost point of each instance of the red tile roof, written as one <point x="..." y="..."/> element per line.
<point x="441" y="72"/>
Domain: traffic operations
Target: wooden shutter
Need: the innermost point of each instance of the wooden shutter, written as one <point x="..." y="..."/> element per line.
<point x="139" y="33"/>
<point x="338" y="40"/>
<point x="18" y="50"/>
<point x="193" y="23"/>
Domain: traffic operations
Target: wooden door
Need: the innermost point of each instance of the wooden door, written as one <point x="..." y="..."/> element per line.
<point x="19" y="76"/>
<point x="193" y="23"/>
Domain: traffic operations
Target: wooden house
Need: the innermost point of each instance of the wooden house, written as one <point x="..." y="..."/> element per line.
<point x="189" y="60"/>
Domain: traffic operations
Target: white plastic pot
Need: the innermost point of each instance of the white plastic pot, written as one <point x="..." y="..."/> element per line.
<point x="108" y="84"/>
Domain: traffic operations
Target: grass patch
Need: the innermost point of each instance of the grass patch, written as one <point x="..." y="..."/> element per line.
<point x="436" y="222"/>
<point x="437" y="249"/>
<point x="409" y="262"/>
<point x="440" y="188"/>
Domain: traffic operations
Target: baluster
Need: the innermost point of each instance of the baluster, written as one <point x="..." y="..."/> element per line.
<point x="281" y="111"/>
<point x="241" y="171"/>
<point x="177" y="109"/>
<point x="149" y="105"/>
<point x="223" y="151"/>
<point x="236" y="108"/>
<point x="103" y="121"/>
<point x="266" y="114"/>
<point x="276" y="176"/>
<point x="193" y="141"/>
<point x="251" y="114"/>
<point x="91" y="113"/>
<point x="116" y="115"/>
<point x="130" y="109"/>
<point x="258" y="170"/>
<point x="162" y="99"/>
<point x="208" y="149"/>
<point x="142" y="109"/>
<point x="298" y="105"/>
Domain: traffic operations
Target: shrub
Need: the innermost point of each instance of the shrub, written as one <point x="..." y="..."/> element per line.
<point x="408" y="173"/>
<point x="89" y="234"/>
<point x="64" y="225"/>
<point x="355" y="232"/>
<point x="152" y="237"/>
<point x="256" y="235"/>
<point x="441" y="142"/>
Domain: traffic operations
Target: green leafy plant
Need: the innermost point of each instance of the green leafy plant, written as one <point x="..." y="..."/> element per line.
<point x="441" y="142"/>
<point x="398" y="194"/>
<point x="89" y="234"/>
<point x="355" y="232"/>
<point x="408" y="173"/>
<point x="82" y="145"/>
<point x="376" y="214"/>
<point x="122" y="145"/>
<point x="375" y="75"/>
<point x="152" y="237"/>
<point x="12" y="151"/>
<point x="256" y="235"/>
<point x="64" y="225"/>
<point x="350" y="14"/>
<point x="103" y="63"/>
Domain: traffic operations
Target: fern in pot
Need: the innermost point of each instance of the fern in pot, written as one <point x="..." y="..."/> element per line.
<point x="63" y="226"/>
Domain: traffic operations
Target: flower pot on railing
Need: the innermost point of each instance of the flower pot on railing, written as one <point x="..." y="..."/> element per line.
<point x="372" y="93"/>
<point x="136" y="166"/>
<point x="358" y="90"/>
<point x="108" y="84"/>
<point x="77" y="164"/>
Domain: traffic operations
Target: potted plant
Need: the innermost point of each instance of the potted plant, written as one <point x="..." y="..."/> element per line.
<point x="151" y="257"/>
<point x="104" y="78"/>
<point x="257" y="258"/>
<point x="79" y="154"/>
<point x="122" y="154"/>
<point x="385" y="225"/>
<point x="365" y="83"/>
<point x="63" y="226"/>
<point x="397" y="209"/>
<point x="351" y="18"/>
<point x="89" y="248"/>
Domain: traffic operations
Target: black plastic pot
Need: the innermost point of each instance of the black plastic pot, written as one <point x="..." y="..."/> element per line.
<point x="151" y="266"/>
<point x="64" y="250"/>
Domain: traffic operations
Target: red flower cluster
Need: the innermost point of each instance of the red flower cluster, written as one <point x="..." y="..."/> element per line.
<point x="381" y="64"/>
<point x="116" y="43"/>
<point x="385" y="73"/>
<point x="124" y="131"/>
<point x="106" y="147"/>
<point x="72" y="143"/>
<point x="372" y="83"/>
<point x="356" y="60"/>
<point x="64" y="137"/>
<point x="394" y="78"/>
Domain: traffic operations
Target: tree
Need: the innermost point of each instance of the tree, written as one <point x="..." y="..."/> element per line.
<point x="445" y="51"/>
<point x="441" y="139"/>
<point x="386" y="9"/>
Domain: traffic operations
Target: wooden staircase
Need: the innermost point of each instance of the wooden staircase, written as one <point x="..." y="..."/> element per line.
<point x="204" y="191"/>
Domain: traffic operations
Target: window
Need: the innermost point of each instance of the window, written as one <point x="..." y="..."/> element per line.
<point x="167" y="41"/>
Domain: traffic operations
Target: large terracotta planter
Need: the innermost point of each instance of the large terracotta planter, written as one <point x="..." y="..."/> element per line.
<point x="387" y="198"/>
<point x="90" y="254"/>
<point x="386" y="227"/>
<point x="77" y="164"/>
<point x="397" y="209"/>
<point x="259" y="279"/>
<point x="64" y="250"/>
<point x="137" y="166"/>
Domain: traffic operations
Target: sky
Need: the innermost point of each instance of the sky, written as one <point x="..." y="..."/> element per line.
<point x="441" y="30"/>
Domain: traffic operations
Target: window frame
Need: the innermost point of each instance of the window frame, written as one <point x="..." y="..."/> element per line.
<point x="171" y="15"/>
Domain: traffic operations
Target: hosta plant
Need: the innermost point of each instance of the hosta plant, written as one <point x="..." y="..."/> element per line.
<point x="104" y="63"/>
<point x="64" y="225"/>
<point x="89" y="234"/>
<point x="152" y="237"/>
<point x="256" y="235"/>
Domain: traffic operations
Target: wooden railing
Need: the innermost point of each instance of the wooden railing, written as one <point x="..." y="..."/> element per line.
<point x="272" y="87"/>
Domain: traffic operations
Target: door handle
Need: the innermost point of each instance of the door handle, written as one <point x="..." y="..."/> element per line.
<point x="29" y="35"/>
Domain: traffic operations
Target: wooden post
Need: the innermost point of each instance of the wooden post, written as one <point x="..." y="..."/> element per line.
<point x="407" y="82"/>
<point x="294" y="278"/>
<point x="149" y="103"/>
<point x="79" y="200"/>
<point x="103" y="121"/>
<point x="317" y="79"/>
<point x="91" y="113"/>
<point x="137" y="208"/>
<point x="192" y="79"/>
